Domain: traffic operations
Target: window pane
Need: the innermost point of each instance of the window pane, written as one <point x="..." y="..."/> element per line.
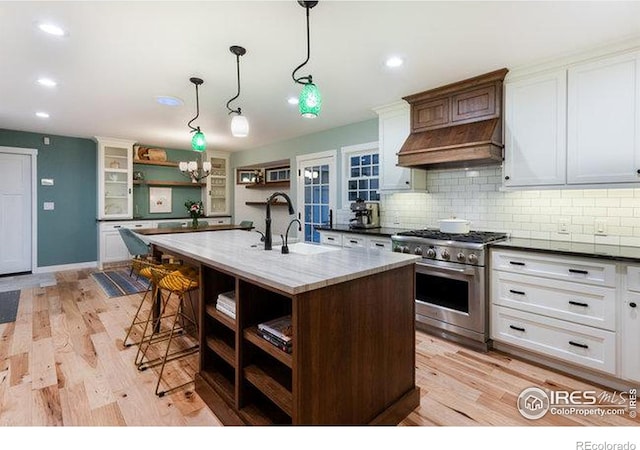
<point x="316" y="194"/>
<point x="315" y="175"/>
<point x="316" y="214"/>
<point x="363" y="184"/>
<point x="325" y="195"/>
<point x="355" y="173"/>
<point x="316" y="236"/>
<point x="373" y="184"/>
<point x="374" y="196"/>
<point x="352" y="196"/>
<point x="324" y="218"/>
<point x="366" y="171"/>
<point x="366" y="159"/>
<point x="374" y="171"/>
<point x="364" y="195"/>
<point x="307" y="213"/>
<point x="307" y="193"/>
<point x="324" y="174"/>
<point x="353" y="184"/>
<point x="308" y="232"/>
<point x="374" y="158"/>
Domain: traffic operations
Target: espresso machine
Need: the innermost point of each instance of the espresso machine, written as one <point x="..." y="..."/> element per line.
<point x="366" y="214"/>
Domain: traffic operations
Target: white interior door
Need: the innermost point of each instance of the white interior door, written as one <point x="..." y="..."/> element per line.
<point x="317" y="188"/>
<point x="15" y="213"/>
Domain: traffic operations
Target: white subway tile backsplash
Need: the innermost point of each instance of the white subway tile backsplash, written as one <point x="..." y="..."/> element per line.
<point x="527" y="214"/>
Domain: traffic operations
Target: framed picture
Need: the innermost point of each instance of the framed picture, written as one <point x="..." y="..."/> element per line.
<point x="248" y="176"/>
<point x="159" y="200"/>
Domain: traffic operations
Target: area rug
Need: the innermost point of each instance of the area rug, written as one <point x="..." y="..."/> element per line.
<point x="9" y="306"/>
<point x="117" y="282"/>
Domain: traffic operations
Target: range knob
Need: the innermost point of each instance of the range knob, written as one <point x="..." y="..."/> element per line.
<point x="445" y="254"/>
<point x="397" y="249"/>
<point x="405" y="249"/>
<point x="418" y="251"/>
<point x="473" y="259"/>
<point x="431" y="253"/>
<point x="461" y="257"/>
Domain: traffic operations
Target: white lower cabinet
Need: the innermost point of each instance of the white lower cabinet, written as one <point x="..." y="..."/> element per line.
<point x="560" y="306"/>
<point x="354" y="240"/>
<point x="587" y="346"/>
<point x="630" y="327"/>
<point x="111" y="247"/>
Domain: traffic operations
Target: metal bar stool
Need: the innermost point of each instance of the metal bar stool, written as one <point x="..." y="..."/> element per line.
<point x="172" y="321"/>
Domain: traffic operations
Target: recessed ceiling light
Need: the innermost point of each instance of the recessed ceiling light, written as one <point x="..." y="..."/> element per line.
<point x="292" y="100"/>
<point x="48" y="82"/>
<point x="42" y="115"/>
<point x="51" y="29"/>
<point x="393" y="62"/>
<point x="167" y="100"/>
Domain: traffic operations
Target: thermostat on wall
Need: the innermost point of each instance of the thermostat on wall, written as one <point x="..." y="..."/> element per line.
<point x="46" y="181"/>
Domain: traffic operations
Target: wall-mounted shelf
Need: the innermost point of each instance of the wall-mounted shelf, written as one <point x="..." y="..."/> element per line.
<point x="168" y="183"/>
<point x="273" y="185"/>
<point x="155" y="163"/>
<point x="264" y="203"/>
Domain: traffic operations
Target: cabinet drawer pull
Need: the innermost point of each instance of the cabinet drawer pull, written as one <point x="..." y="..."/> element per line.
<point x="138" y="226"/>
<point x="353" y="242"/>
<point x="571" y="302"/>
<point x="330" y="239"/>
<point x="582" y="272"/>
<point x="117" y="226"/>
<point x="516" y="263"/>
<point x="576" y="344"/>
<point x="513" y="327"/>
<point x="379" y="245"/>
<point x="633" y="304"/>
<point x="516" y="292"/>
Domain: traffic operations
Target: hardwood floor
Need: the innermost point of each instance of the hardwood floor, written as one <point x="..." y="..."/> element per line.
<point x="62" y="363"/>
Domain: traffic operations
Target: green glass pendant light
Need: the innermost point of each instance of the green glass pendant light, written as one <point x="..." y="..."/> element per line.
<point x="198" y="141"/>
<point x="310" y="101"/>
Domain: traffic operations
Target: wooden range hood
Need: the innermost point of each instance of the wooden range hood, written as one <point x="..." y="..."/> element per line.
<point x="457" y="125"/>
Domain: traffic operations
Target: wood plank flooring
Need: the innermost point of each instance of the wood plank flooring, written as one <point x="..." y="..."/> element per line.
<point x="62" y="363"/>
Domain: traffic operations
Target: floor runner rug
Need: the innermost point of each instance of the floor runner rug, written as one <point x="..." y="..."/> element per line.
<point x="116" y="283"/>
<point x="9" y="306"/>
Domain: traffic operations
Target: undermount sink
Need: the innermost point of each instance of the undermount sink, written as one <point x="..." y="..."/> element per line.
<point x="304" y="248"/>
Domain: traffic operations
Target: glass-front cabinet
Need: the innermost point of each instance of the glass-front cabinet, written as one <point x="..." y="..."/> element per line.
<point x="217" y="194"/>
<point x="115" y="180"/>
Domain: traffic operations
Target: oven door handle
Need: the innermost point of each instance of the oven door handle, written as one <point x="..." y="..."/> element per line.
<point x="445" y="269"/>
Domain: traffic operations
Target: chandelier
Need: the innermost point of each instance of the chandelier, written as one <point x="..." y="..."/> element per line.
<point x="194" y="170"/>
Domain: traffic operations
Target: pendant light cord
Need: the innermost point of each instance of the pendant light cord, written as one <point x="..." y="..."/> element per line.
<point x="237" y="111"/>
<point x="307" y="79"/>
<point x="197" y="113"/>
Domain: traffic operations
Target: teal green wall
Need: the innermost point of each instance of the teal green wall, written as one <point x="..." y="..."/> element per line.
<point x="333" y="139"/>
<point x="179" y="194"/>
<point x="68" y="234"/>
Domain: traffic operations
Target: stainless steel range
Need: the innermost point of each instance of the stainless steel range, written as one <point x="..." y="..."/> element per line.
<point x="451" y="282"/>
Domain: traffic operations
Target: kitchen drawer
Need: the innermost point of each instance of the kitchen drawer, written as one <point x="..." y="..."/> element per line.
<point x="380" y="244"/>
<point x="586" y="346"/>
<point x="583" y="270"/>
<point x="218" y="220"/>
<point x="633" y="278"/>
<point x="111" y="226"/>
<point x="329" y="238"/>
<point x="349" y="240"/>
<point x="584" y="304"/>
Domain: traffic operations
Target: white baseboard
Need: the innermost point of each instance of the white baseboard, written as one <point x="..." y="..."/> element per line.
<point x="63" y="267"/>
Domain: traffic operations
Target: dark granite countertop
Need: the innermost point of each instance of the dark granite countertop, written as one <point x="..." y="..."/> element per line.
<point x="382" y="231"/>
<point x="601" y="251"/>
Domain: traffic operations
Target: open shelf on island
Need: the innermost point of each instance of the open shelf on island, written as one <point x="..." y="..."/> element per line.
<point x="270" y="387"/>
<point x="220" y="317"/>
<point x="251" y="334"/>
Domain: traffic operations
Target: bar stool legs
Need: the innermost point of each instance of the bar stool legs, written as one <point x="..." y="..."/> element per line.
<point x="172" y="320"/>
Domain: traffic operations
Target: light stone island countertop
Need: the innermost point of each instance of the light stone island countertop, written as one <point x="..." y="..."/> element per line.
<point x="292" y="273"/>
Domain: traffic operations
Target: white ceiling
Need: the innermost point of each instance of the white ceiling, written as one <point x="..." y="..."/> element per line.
<point x="119" y="55"/>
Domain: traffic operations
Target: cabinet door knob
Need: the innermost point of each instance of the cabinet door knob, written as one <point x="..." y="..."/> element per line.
<point x="638" y="171"/>
<point x="507" y="177"/>
<point x="406" y="182"/>
<point x="633" y="304"/>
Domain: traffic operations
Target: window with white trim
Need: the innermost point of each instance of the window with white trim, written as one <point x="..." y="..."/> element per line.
<point x="361" y="173"/>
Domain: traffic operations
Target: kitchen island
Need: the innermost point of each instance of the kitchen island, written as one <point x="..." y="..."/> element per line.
<point x="353" y="327"/>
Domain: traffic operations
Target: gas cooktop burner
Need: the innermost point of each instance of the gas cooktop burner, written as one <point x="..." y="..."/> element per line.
<point x="479" y="237"/>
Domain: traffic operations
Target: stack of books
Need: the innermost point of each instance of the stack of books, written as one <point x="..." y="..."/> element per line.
<point x="278" y="332"/>
<point x="226" y="303"/>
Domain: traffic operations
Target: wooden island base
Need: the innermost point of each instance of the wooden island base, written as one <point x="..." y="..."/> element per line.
<point x="353" y="359"/>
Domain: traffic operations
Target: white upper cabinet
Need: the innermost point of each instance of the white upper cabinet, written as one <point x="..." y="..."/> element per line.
<point x="115" y="178"/>
<point x="216" y="200"/>
<point x="394" y="126"/>
<point x="576" y="124"/>
<point x="535" y="130"/>
<point x="603" y="141"/>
